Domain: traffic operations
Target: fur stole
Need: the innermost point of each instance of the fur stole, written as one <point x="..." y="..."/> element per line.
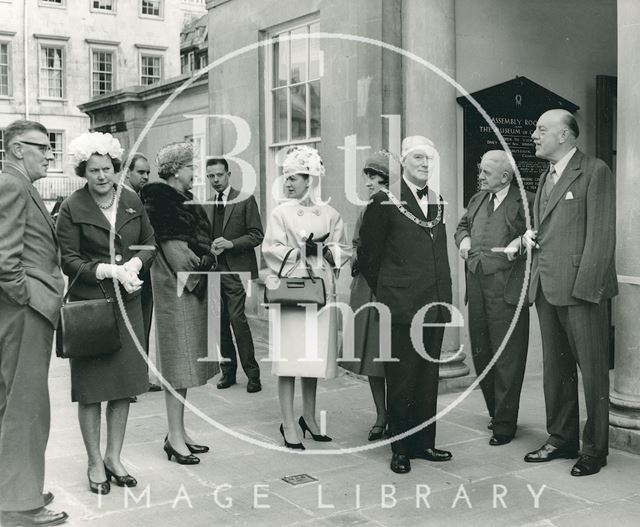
<point x="173" y="220"/>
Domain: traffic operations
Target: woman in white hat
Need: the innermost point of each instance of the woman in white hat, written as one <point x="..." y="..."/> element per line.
<point x="300" y="233"/>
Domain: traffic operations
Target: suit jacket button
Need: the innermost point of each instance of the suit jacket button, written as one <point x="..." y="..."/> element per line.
<point x="118" y="258"/>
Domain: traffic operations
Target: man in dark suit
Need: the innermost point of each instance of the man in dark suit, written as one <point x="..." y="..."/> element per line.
<point x="573" y="275"/>
<point x="488" y="237"/>
<point x="137" y="176"/>
<point x="31" y="288"/>
<point x="237" y="230"/>
<point x="403" y="256"/>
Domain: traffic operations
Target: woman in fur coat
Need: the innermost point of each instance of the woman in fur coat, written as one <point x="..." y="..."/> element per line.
<point x="183" y="235"/>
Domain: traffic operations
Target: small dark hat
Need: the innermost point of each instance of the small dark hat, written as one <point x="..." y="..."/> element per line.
<point x="381" y="163"/>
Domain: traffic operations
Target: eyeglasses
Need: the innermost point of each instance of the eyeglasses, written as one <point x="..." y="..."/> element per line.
<point x="43" y="148"/>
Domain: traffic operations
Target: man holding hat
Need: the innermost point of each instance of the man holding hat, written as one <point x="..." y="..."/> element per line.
<point x="403" y="256"/>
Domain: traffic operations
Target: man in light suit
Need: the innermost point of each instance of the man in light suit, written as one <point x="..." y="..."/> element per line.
<point x="31" y="288"/>
<point x="572" y="277"/>
<point x="403" y="257"/>
<point x="488" y="237"/>
<point x="237" y="230"/>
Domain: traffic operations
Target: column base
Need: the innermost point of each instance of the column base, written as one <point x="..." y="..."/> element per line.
<point x="624" y="422"/>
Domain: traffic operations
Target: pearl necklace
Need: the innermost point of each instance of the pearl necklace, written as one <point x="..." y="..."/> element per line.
<point x="109" y="205"/>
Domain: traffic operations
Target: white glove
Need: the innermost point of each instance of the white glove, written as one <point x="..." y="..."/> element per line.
<point x="133" y="266"/>
<point x="129" y="281"/>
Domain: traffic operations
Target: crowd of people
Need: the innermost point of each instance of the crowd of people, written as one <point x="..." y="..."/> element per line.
<point x="144" y="241"/>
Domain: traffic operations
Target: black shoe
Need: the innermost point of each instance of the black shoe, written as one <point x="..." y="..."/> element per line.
<point x="253" y="385"/>
<point x="41" y="517"/>
<point x="154" y="387"/>
<point x="490" y="425"/>
<point x="316" y="437"/>
<point x="225" y="382"/>
<point x="180" y="459"/>
<point x="497" y="440"/>
<point x="432" y="454"/>
<point x="133" y="399"/>
<point x="400" y="464"/>
<point x="294" y="446"/>
<point x="101" y="487"/>
<point x="47" y="497"/>
<point x="587" y="465"/>
<point x="193" y="448"/>
<point x="378" y="432"/>
<point x="549" y="452"/>
<point x="121" y="481"/>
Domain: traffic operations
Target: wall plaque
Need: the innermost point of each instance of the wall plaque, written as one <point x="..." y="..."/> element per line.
<point x="514" y="106"/>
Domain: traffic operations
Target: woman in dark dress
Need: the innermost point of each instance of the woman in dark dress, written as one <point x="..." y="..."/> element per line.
<point x="183" y="234"/>
<point x="84" y="224"/>
<point x="366" y="327"/>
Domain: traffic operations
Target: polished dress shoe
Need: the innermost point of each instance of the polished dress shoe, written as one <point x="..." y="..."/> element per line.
<point x="47" y="497"/>
<point x="154" y="387"/>
<point x="587" y="465"/>
<point x="121" y="481"/>
<point x="316" y="437"/>
<point x="253" y="386"/>
<point x="432" y="454"/>
<point x="41" y="517"/>
<point x="549" y="452"/>
<point x="225" y="382"/>
<point x="180" y="459"/>
<point x="400" y="464"/>
<point x="497" y="440"/>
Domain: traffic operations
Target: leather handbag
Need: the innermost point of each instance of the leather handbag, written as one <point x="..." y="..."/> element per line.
<point x="87" y="328"/>
<point x="291" y="291"/>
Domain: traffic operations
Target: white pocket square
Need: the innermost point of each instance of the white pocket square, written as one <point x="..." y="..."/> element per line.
<point x="569" y="195"/>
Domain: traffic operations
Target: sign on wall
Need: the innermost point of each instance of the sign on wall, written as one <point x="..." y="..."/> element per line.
<point x="514" y="106"/>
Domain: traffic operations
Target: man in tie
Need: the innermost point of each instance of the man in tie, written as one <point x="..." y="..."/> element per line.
<point x="403" y="256"/>
<point x="573" y="275"/>
<point x="237" y="230"/>
<point x="31" y="288"/>
<point x="488" y="237"/>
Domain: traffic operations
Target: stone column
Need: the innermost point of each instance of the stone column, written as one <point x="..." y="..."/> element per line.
<point x="430" y="109"/>
<point x="625" y="394"/>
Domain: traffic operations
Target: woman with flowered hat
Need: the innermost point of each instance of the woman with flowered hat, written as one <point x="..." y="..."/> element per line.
<point x="303" y="232"/>
<point x="85" y="224"/>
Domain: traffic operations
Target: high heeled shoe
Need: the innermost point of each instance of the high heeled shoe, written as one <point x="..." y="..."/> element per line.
<point x="294" y="446"/>
<point x="316" y="437"/>
<point x="101" y="487"/>
<point x="180" y="459"/>
<point x="193" y="448"/>
<point x="122" y="481"/>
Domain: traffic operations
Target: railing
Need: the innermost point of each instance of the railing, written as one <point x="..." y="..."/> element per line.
<point x="52" y="187"/>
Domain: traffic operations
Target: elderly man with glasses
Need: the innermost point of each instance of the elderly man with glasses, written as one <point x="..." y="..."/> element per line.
<point x="31" y="288"/>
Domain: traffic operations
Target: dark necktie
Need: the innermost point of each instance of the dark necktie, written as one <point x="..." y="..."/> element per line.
<point x="421" y="192"/>
<point x="220" y="202"/>
<point x="490" y="204"/>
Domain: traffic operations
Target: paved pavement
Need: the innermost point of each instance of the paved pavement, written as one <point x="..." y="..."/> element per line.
<point x="240" y="482"/>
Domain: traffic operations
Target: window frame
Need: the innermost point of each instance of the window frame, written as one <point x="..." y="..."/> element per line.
<point x="54" y="44"/>
<point x="3" y="152"/>
<point x="150" y="53"/>
<point x="8" y="42"/>
<point x="114" y="65"/>
<point x="272" y="147"/>
<point x="111" y="11"/>
<point x="153" y="17"/>
<point x="53" y="3"/>
<point x="57" y="169"/>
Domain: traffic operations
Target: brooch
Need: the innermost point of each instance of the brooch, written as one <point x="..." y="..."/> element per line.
<point x="130" y="211"/>
<point x="300" y="212"/>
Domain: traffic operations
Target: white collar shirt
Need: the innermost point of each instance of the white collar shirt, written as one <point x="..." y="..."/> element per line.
<point x="562" y="164"/>
<point x="423" y="202"/>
